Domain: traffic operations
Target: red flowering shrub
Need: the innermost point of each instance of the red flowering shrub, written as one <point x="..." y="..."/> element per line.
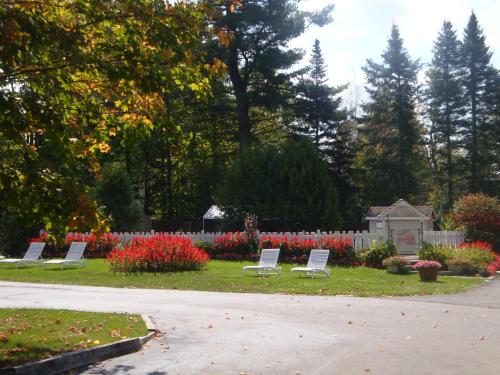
<point x="494" y="266"/>
<point x="97" y="246"/>
<point x="476" y="245"/>
<point x="296" y="250"/>
<point x="479" y="215"/>
<point x="232" y="246"/>
<point x="159" y="253"/>
<point x="478" y="253"/>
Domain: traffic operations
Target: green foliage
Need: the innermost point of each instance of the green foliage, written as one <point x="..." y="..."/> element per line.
<point x="477" y="259"/>
<point x="114" y="191"/>
<point x="73" y="76"/>
<point x="377" y="253"/>
<point x="445" y="102"/>
<point x="288" y="184"/>
<point x="317" y="104"/>
<point x="396" y="261"/>
<point x="481" y="85"/>
<point x="437" y="253"/>
<point x="260" y="33"/>
<point x="391" y="131"/>
<point x="13" y="234"/>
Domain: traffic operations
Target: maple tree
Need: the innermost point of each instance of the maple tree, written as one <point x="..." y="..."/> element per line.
<point x="74" y="75"/>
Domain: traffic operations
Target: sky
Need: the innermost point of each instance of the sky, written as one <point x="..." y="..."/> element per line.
<point x="361" y="28"/>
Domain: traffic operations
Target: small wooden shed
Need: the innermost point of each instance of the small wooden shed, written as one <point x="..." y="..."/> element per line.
<point x="402" y="223"/>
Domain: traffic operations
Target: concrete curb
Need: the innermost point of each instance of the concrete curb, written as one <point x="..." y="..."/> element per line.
<point x="80" y="358"/>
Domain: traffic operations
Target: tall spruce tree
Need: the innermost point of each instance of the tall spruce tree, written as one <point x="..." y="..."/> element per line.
<point x="390" y="126"/>
<point x="445" y="104"/>
<point x="258" y="56"/>
<point x="317" y="103"/>
<point x="480" y="86"/>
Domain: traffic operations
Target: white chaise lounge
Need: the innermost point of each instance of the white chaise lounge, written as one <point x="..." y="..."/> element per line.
<point x="267" y="263"/>
<point x="316" y="265"/>
<point x="33" y="256"/>
<point x="73" y="257"/>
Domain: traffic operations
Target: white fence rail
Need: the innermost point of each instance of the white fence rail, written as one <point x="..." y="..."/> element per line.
<point x="445" y="238"/>
<point x="360" y="240"/>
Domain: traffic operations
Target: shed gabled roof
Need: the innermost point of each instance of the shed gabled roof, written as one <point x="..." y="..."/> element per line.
<point x="400" y="208"/>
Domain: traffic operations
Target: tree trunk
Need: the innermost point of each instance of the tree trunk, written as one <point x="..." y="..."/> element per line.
<point x="449" y="160"/>
<point x="473" y="182"/>
<point x="240" y="92"/>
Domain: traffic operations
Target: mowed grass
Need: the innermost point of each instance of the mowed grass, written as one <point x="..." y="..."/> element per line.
<point x="31" y="334"/>
<point x="225" y="276"/>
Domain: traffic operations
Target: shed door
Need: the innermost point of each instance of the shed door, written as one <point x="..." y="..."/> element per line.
<point x="406" y="237"/>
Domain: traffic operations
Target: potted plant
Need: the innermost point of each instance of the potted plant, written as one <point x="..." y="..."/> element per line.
<point x="457" y="266"/>
<point x="396" y="264"/>
<point x="428" y="269"/>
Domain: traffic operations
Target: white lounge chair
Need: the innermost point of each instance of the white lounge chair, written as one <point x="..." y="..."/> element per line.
<point x="33" y="255"/>
<point x="267" y="263"/>
<point x="316" y="264"/>
<point x="73" y="257"/>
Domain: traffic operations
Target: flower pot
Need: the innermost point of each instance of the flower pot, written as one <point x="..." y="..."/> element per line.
<point x="428" y="274"/>
<point x="456" y="269"/>
<point x="393" y="269"/>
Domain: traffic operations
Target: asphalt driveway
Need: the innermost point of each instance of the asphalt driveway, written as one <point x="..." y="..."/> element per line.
<point x="223" y="333"/>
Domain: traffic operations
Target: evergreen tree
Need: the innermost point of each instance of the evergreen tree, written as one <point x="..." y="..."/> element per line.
<point x="445" y="104"/>
<point x="390" y="126"/>
<point x="480" y="84"/>
<point x="258" y="57"/>
<point x="318" y="104"/>
<point x="288" y="185"/>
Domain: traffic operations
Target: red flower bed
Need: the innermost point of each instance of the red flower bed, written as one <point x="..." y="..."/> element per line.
<point x="232" y="246"/>
<point x="296" y="250"/>
<point x="97" y="246"/>
<point x="160" y="253"/>
<point x="476" y="245"/>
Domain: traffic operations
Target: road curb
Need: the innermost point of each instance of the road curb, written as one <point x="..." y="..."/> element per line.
<point x="80" y="358"/>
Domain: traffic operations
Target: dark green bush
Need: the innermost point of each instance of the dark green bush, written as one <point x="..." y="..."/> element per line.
<point x="438" y="253"/>
<point x="375" y="255"/>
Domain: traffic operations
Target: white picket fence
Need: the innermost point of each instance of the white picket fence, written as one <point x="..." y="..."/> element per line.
<point x="445" y="238"/>
<point x="360" y="240"/>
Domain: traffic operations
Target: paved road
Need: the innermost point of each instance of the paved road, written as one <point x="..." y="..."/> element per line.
<point x="220" y="333"/>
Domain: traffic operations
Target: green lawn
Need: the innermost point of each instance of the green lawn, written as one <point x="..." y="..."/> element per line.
<point x="226" y="277"/>
<point x="32" y="334"/>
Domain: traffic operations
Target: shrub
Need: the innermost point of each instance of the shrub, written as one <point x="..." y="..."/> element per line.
<point x="293" y="249"/>
<point x="459" y="262"/>
<point x="233" y="246"/>
<point x="437" y="253"/>
<point x="479" y="215"/>
<point x="494" y="266"/>
<point x="97" y="246"/>
<point x="396" y="261"/>
<point x="377" y="252"/>
<point x="159" y="253"/>
<point x="427" y="264"/>
<point x="115" y="192"/>
<point x="478" y="254"/>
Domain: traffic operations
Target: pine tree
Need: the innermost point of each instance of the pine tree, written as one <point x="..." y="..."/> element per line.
<point x="258" y="55"/>
<point x="445" y="103"/>
<point x="390" y="125"/>
<point x="317" y="103"/>
<point x="480" y="85"/>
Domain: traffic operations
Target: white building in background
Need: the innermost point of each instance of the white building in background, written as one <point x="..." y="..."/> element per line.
<point x="403" y="223"/>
